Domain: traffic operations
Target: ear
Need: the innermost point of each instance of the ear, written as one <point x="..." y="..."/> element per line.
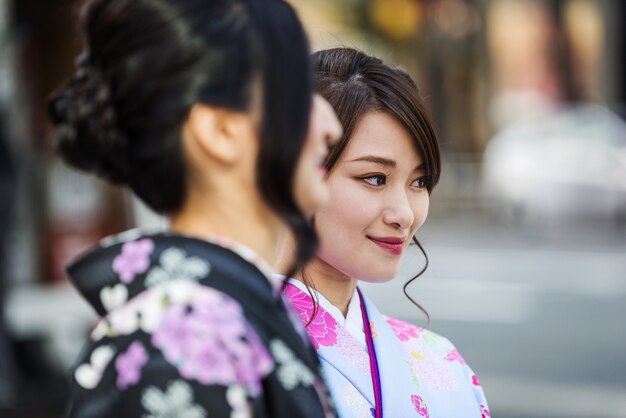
<point x="220" y="133"/>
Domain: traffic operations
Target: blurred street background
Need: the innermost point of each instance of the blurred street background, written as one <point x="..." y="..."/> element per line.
<point x="526" y="235"/>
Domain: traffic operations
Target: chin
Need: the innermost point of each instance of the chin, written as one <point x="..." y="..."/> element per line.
<point x="374" y="276"/>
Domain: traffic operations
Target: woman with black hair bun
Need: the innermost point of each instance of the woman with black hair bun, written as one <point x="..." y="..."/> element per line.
<point x="205" y="110"/>
<point x="380" y="174"/>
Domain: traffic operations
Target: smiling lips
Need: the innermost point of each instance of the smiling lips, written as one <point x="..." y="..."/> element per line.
<point x="392" y="245"/>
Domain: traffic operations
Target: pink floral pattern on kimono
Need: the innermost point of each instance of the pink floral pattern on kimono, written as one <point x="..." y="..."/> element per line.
<point x="134" y="259"/>
<point x="424" y="370"/>
<point x="374" y="333"/>
<point x="403" y="330"/>
<point x="211" y="343"/>
<point x="454" y="355"/>
<point x="434" y="374"/>
<point x="129" y="365"/>
<point x="420" y="405"/>
<point x="323" y="329"/>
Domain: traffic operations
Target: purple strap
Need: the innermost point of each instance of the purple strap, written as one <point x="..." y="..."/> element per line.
<point x="378" y="398"/>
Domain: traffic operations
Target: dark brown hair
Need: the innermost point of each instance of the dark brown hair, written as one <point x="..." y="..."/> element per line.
<point x="147" y="62"/>
<point x="356" y="84"/>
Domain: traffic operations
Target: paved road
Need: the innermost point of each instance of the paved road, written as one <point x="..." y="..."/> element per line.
<point x="539" y="313"/>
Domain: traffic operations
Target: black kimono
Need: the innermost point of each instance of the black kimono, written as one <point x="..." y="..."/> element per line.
<point x="190" y="329"/>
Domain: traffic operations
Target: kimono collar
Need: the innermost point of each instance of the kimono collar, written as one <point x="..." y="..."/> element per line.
<point x="125" y="265"/>
<point x="250" y="256"/>
<point x="352" y="322"/>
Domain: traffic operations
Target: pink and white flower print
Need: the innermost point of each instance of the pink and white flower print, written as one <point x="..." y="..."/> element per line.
<point x="454" y="355"/>
<point x="210" y="342"/>
<point x="323" y="329"/>
<point x="433" y="374"/>
<point x="134" y="259"/>
<point x="420" y="406"/>
<point x="129" y="364"/>
<point x="351" y="349"/>
<point x="403" y="330"/>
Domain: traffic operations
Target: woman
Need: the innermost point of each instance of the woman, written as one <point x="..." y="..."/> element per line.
<point x="185" y="102"/>
<point x="380" y="174"/>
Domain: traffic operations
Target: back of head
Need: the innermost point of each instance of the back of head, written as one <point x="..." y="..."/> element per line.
<point x="147" y="62"/>
<point x="355" y="84"/>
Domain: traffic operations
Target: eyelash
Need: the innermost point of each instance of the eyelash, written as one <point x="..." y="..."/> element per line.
<point x="381" y="177"/>
<point x="423" y="181"/>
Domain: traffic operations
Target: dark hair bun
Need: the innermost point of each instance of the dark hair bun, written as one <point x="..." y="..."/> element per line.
<point x="86" y="134"/>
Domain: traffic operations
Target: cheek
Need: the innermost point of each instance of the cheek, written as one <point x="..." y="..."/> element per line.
<point x="342" y="222"/>
<point x="339" y="213"/>
<point x="420" y="210"/>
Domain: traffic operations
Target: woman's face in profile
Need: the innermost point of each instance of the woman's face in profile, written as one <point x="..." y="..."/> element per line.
<point x="378" y="200"/>
<point x="311" y="191"/>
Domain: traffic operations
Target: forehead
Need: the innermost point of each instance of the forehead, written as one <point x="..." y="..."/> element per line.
<point x="380" y="134"/>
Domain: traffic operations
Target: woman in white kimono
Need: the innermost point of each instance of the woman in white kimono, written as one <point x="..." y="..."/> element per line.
<point x="380" y="174"/>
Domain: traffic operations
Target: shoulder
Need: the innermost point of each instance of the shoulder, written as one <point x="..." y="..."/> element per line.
<point x="438" y="362"/>
<point x="414" y="335"/>
<point x="199" y="332"/>
<point x="156" y="305"/>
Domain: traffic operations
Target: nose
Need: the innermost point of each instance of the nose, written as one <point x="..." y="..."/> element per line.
<point x="399" y="212"/>
<point x="332" y="127"/>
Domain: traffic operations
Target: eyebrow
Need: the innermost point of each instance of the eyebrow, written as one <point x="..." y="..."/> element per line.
<point x="377" y="160"/>
<point x="384" y="162"/>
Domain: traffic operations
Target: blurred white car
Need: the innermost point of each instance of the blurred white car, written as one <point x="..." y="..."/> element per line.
<point x="563" y="165"/>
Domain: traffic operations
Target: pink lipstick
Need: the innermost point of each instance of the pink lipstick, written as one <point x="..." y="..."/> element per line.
<point x="392" y="245"/>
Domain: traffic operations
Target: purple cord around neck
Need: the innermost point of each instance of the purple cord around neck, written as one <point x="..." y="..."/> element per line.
<point x="378" y="398"/>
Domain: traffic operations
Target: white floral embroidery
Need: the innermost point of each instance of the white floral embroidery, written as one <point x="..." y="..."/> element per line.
<point x="100" y="330"/>
<point x="146" y="310"/>
<point x="433" y="372"/>
<point x="359" y="406"/>
<point x="174" y="264"/>
<point x="88" y="375"/>
<point x="236" y="397"/>
<point x="350" y="348"/>
<point x="124" y="320"/>
<point x="175" y="402"/>
<point x="112" y="297"/>
<point x="290" y="370"/>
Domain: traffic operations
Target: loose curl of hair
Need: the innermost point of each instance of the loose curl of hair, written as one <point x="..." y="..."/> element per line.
<point x="147" y="62"/>
<point x="356" y="84"/>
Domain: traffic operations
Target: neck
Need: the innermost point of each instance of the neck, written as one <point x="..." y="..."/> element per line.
<point x="337" y="287"/>
<point x="230" y="216"/>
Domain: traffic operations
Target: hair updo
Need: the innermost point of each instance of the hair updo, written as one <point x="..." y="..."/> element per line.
<point x="84" y="110"/>
<point x="147" y="62"/>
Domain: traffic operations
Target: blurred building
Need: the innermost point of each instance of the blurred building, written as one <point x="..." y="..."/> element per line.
<point x="483" y="64"/>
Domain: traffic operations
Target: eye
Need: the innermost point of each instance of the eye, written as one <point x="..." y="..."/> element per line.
<point x="420" y="183"/>
<point x="375" y="180"/>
